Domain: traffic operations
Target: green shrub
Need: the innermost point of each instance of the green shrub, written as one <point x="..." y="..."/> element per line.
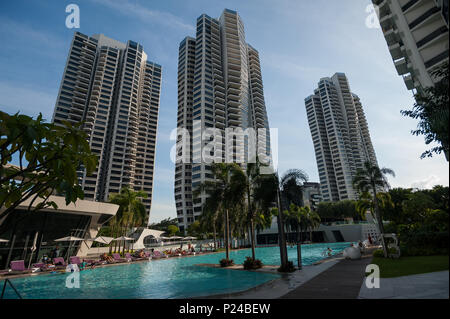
<point x="424" y="243"/>
<point x="251" y="263"/>
<point x="380" y="252"/>
<point x="226" y="262"/>
<point x="289" y="267"/>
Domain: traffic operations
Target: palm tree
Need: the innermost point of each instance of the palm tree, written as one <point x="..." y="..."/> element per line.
<point x="260" y="191"/>
<point x="294" y="218"/>
<point x="131" y="209"/>
<point x="365" y="203"/>
<point x="210" y="216"/>
<point x="289" y="192"/>
<point x="370" y="179"/>
<point x="228" y="189"/>
<point x="312" y="220"/>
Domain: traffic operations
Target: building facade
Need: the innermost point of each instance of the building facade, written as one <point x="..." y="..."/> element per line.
<point x="416" y="33"/>
<point x="114" y="90"/>
<point x="340" y="136"/>
<point x="219" y="87"/>
<point x="311" y="195"/>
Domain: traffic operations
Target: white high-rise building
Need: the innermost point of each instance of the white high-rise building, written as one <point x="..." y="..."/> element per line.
<point x="416" y="33"/>
<point x="219" y="87"/>
<point x="114" y="90"/>
<point x="340" y="136"/>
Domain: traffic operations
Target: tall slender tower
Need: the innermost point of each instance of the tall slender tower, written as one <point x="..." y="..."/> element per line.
<point x="219" y="87"/>
<point x="112" y="88"/>
<point x="340" y="134"/>
<point x="416" y="33"/>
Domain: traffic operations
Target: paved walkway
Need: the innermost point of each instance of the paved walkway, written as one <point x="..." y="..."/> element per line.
<point x="342" y="281"/>
<point x="423" y="286"/>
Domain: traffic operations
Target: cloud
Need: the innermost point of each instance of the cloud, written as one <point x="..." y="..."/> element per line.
<point x="144" y="14"/>
<point x="29" y="101"/>
<point x="162" y="210"/>
<point x="426" y="183"/>
<point x="37" y="40"/>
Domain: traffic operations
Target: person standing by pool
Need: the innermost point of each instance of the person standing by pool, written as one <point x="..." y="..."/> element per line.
<point x="55" y="252"/>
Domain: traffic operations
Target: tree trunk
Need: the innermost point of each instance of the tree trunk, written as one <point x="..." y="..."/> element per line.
<point x="252" y="238"/>
<point x="380" y="221"/>
<point x="299" y="249"/>
<point x="214" y="235"/>
<point x="227" y="236"/>
<point x="281" y="237"/>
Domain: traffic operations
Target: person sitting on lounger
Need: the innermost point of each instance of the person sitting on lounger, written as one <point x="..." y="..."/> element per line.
<point x="107" y="258"/>
<point x="329" y="251"/>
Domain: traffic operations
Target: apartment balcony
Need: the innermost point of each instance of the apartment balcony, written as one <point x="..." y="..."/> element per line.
<point x="409" y="81"/>
<point x="391" y="36"/>
<point x="386" y="22"/>
<point x="402" y="66"/>
<point x="219" y="106"/>
<point x="397" y="51"/>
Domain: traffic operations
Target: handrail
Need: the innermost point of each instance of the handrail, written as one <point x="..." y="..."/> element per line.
<point x="12" y="286"/>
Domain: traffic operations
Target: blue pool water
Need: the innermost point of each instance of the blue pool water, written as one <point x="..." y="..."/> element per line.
<point x="166" y="278"/>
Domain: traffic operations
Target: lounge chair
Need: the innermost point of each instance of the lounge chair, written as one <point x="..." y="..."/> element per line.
<point x="59" y="262"/>
<point x="18" y="267"/>
<point x="132" y="258"/>
<point x="75" y="260"/>
<point x="157" y="254"/>
<point x="43" y="266"/>
<point x="119" y="259"/>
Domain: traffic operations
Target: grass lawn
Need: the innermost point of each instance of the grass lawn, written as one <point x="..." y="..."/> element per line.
<point x="405" y="266"/>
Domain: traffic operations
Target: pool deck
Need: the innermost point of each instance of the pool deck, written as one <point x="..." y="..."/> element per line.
<point x="342" y="281"/>
<point x="432" y="285"/>
<point x="331" y="278"/>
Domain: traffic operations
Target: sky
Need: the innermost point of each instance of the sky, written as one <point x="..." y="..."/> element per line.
<point x="299" y="42"/>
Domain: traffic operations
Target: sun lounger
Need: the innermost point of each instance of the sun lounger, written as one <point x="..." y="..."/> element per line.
<point x="118" y="259"/>
<point x="132" y="258"/>
<point x="75" y="260"/>
<point x="59" y="262"/>
<point x="157" y="254"/>
<point x="18" y="267"/>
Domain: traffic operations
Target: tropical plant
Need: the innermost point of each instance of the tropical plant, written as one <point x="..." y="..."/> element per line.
<point x="228" y="190"/>
<point x="365" y="203"/>
<point x="312" y="220"/>
<point x="251" y="263"/>
<point x="131" y="211"/>
<point x="261" y="195"/>
<point x="172" y="230"/>
<point x="432" y="111"/>
<point x="48" y="158"/>
<point x="370" y="179"/>
<point x="289" y="192"/>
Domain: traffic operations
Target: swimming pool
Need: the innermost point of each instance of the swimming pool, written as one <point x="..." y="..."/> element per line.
<point x="166" y="278"/>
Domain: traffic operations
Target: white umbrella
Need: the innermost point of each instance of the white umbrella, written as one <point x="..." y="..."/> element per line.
<point x="70" y="238"/>
<point x="101" y="240"/>
<point x="190" y="238"/>
<point x="175" y="237"/>
<point x="4" y="240"/>
<point x="164" y="238"/>
<point x="124" y="238"/>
